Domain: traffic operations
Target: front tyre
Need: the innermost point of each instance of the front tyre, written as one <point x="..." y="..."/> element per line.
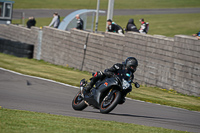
<point x="110" y="102"/>
<point x="78" y="102"/>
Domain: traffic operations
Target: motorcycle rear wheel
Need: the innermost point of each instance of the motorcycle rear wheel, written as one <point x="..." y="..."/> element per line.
<point x="108" y="105"/>
<point x="78" y="103"/>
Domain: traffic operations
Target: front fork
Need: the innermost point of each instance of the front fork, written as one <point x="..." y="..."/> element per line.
<point x="109" y="95"/>
<point x="82" y="91"/>
<point x="82" y="95"/>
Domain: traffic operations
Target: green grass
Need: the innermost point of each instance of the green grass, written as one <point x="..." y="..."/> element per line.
<point x="15" y="121"/>
<point x="166" y="24"/>
<point x="91" y="4"/>
<point x="73" y="77"/>
<point x="162" y="24"/>
<point x="165" y="97"/>
<point x="43" y="69"/>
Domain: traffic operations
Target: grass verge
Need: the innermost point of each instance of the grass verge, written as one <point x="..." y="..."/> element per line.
<point x="71" y="76"/>
<point x="91" y="4"/>
<point x="162" y="24"/>
<point x="15" y="121"/>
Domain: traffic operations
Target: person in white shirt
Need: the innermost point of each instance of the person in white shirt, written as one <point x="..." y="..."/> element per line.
<point x="55" y="21"/>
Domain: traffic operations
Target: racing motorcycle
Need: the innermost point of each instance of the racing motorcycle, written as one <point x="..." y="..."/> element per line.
<point x="105" y="95"/>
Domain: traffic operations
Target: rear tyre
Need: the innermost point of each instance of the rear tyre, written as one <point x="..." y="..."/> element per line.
<point x="108" y="104"/>
<point x="78" y="102"/>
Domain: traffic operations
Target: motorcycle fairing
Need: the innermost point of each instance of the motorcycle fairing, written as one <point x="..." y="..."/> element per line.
<point x="101" y="86"/>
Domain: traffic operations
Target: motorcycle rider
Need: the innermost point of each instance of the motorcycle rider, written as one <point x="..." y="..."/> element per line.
<point x="126" y="69"/>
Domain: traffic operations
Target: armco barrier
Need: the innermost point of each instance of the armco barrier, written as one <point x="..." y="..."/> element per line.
<point x="164" y="62"/>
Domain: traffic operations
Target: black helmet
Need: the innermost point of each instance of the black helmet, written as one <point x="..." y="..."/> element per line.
<point x="131" y="64"/>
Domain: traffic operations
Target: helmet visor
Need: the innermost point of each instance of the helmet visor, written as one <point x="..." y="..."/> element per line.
<point x="132" y="68"/>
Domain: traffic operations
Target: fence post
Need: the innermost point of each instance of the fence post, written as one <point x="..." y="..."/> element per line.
<point x="84" y="48"/>
<point x="39" y="45"/>
<point x="23" y="18"/>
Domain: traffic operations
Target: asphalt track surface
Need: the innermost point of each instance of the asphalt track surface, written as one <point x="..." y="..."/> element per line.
<point x="24" y="92"/>
<point x="45" y="13"/>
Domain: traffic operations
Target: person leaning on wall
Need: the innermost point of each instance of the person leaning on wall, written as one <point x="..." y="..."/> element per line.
<point x="131" y="26"/>
<point x="143" y="27"/>
<point x="113" y="27"/>
<point x="55" y="21"/>
<point x="31" y="22"/>
<point x="197" y="35"/>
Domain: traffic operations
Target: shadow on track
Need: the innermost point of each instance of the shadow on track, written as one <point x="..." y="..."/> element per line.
<point x="134" y="116"/>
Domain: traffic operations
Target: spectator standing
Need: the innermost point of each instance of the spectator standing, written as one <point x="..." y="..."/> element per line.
<point x="131" y="26"/>
<point x="143" y="27"/>
<point x="113" y="27"/>
<point x="197" y="35"/>
<point x="31" y="22"/>
<point x="79" y="22"/>
<point x="55" y="21"/>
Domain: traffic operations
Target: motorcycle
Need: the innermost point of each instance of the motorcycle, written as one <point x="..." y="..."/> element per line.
<point x="105" y="96"/>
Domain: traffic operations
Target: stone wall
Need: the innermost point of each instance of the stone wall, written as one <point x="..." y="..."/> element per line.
<point x="164" y="62"/>
<point x="19" y="33"/>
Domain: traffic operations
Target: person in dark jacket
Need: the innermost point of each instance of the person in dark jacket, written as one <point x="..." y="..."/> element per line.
<point x="131" y="26"/>
<point x="31" y="22"/>
<point x="126" y="69"/>
<point x="113" y="27"/>
<point x="79" y="22"/>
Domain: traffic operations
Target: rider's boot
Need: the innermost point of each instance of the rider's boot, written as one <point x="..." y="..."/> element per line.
<point x="89" y="86"/>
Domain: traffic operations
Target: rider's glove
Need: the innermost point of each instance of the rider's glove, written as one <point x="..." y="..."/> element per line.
<point x="98" y="73"/>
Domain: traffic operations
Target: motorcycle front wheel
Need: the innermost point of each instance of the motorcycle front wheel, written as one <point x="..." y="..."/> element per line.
<point x="78" y="103"/>
<point x="110" y="102"/>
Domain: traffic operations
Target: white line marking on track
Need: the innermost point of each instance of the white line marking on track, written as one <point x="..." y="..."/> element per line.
<point x="38" y="78"/>
<point x="78" y="88"/>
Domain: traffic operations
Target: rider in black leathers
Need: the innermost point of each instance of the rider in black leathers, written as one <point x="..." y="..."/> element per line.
<point x="126" y="69"/>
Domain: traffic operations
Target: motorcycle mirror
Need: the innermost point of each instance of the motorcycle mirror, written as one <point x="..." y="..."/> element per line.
<point x="82" y="82"/>
<point x="137" y="85"/>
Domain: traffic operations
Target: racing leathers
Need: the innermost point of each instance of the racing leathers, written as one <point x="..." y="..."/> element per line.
<point x="116" y="70"/>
